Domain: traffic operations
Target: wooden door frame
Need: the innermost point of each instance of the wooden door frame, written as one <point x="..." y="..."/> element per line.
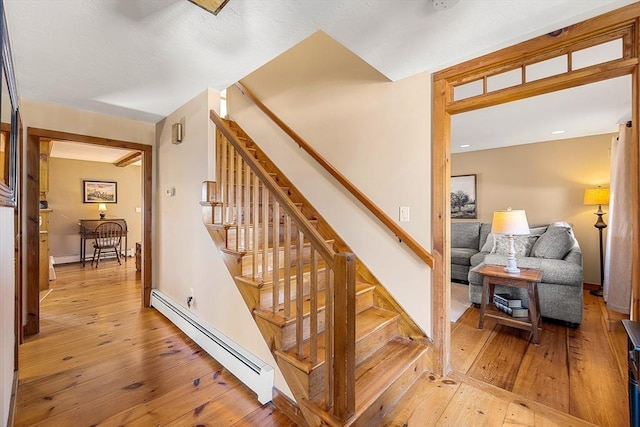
<point x="34" y="135"/>
<point x="623" y="22"/>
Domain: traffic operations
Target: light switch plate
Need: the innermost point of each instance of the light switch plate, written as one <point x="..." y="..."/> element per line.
<point x="404" y="213"/>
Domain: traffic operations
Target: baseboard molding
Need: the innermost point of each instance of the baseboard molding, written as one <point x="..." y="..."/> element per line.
<point x="289" y="408"/>
<point x="590" y="286"/>
<point x="253" y="372"/>
<point x="69" y="259"/>
<point x="11" y="419"/>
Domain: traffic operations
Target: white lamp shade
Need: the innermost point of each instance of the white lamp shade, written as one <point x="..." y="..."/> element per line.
<point x="510" y="222"/>
<point x="102" y="207"/>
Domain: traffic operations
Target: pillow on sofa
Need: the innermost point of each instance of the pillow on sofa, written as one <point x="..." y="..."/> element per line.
<point x="555" y="243"/>
<point x="521" y="244"/>
<point x="489" y="244"/>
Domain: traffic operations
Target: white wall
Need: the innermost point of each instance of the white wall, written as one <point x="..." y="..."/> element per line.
<point x="7" y="310"/>
<point x="375" y="132"/>
<point x="186" y="256"/>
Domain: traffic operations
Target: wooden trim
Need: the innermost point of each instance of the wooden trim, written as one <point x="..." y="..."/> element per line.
<point x="289" y="408"/>
<point x="128" y="159"/>
<point x="32" y="203"/>
<point x="405" y="237"/>
<point x="32" y="249"/>
<point x="441" y="226"/>
<point x="444" y="107"/>
<point x="635" y="183"/>
<point x="13" y="401"/>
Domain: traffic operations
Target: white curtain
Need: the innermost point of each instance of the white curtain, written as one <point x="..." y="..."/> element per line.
<point x="617" y="268"/>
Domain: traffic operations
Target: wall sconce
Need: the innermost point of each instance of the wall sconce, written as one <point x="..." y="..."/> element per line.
<point x="102" y="208"/>
<point x="176" y="134"/>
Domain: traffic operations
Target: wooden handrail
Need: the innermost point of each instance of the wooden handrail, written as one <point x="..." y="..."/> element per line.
<point x="310" y="233"/>
<point x="421" y="252"/>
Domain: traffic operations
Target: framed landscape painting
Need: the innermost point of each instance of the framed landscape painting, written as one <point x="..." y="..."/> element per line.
<point x="463" y="197"/>
<point x="100" y="191"/>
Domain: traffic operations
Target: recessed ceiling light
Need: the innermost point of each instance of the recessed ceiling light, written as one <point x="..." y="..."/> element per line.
<point x="465" y="146"/>
<point x="557" y="132"/>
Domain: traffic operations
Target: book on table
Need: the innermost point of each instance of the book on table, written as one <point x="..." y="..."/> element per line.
<point x="518" y="311"/>
<point x="508" y="300"/>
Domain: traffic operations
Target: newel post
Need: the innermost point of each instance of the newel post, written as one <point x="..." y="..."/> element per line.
<point x="345" y="335"/>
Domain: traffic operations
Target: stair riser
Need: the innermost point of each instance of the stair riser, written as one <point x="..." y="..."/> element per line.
<point x="263" y="294"/>
<point x="232" y="232"/>
<point x="365" y="347"/>
<point x="247" y="260"/>
<point x="266" y="292"/>
<point x="289" y="331"/>
<point x="376" y="340"/>
<point x="376" y="411"/>
<point x="231" y="213"/>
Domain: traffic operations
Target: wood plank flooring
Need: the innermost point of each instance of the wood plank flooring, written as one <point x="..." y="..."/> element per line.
<point x="580" y="371"/>
<point x="100" y="359"/>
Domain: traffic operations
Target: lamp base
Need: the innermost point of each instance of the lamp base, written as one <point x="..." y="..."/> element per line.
<point x="512" y="270"/>
<point x="102" y="216"/>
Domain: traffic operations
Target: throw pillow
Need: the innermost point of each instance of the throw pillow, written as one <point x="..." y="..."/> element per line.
<point x="489" y="244"/>
<point x="554" y="244"/>
<point x="521" y="244"/>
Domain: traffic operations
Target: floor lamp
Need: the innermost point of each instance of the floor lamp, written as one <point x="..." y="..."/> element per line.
<point x="598" y="196"/>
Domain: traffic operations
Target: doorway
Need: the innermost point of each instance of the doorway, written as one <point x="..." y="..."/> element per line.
<point x="560" y="45"/>
<point x="34" y="137"/>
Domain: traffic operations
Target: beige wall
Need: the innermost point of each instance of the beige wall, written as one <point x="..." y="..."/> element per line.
<point x="56" y="117"/>
<point x="65" y="198"/>
<point x="375" y="132"/>
<point x="546" y="179"/>
<point x="186" y="257"/>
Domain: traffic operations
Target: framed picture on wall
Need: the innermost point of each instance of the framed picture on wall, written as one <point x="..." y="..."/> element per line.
<point x="463" y="197"/>
<point x="100" y="191"/>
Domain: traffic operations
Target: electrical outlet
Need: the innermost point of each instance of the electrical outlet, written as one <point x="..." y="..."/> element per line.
<point x="404" y="213"/>
<point x="191" y="299"/>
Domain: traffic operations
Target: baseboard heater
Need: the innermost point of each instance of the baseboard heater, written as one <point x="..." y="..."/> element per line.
<point x="253" y="372"/>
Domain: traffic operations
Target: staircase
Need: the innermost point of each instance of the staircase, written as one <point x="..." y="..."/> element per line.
<point x="346" y="349"/>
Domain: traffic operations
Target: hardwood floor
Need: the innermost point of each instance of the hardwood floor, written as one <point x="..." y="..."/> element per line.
<point x="102" y="360"/>
<point x="580" y="371"/>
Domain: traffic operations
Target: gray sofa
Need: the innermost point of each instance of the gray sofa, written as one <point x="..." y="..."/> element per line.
<point x="467" y="239"/>
<point x="552" y="249"/>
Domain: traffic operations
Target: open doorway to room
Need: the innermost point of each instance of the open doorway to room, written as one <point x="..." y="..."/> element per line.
<point x="520" y="163"/>
<point x="72" y="208"/>
<point x="564" y="46"/>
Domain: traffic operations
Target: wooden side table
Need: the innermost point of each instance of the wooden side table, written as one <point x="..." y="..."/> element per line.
<point x="527" y="279"/>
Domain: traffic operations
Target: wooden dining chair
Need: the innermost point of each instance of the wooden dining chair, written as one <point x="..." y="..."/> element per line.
<point x="108" y="235"/>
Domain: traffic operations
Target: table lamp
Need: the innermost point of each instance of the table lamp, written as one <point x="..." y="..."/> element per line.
<point x="102" y="208"/>
<point x="598" y="196"/>
<point x="510" y="222"/>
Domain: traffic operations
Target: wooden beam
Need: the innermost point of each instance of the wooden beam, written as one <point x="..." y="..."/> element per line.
<point x="128" y="159"/>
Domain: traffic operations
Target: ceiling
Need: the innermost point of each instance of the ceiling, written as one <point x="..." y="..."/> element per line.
<point x="142" y="59"/>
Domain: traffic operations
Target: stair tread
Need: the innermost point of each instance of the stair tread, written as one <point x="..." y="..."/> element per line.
<point x="267" y="281"/>
<point x="270" y="224"/>
<point x="367" y="322"/>
<point x="374" y="374"/>
<point x="278" y="318"/>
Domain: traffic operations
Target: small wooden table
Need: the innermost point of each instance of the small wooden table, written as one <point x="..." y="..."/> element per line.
<point x="527" y="279"/>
